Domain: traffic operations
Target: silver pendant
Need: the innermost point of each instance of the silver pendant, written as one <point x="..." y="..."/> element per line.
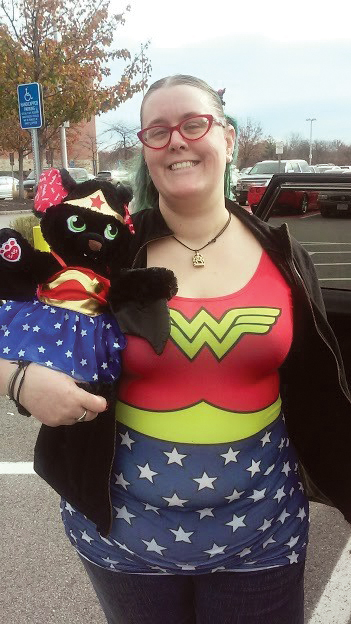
<point x="198" y="260"/>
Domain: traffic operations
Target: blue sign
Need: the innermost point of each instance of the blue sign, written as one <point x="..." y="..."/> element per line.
<point x="29" y="105"/>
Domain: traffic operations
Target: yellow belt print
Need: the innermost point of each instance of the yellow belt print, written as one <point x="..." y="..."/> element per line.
<point x="201" y="423"/>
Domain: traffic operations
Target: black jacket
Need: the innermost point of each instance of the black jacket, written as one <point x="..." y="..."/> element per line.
<point x="76" y="461"/>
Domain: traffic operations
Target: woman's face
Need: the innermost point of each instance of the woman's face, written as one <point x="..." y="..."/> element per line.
<point x="203" y="160"/>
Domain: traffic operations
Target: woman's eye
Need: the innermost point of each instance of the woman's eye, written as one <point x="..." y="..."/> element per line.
<point x="158" y="133"/>
<point x="76" y="223"/>
<point x="111" y="231"/>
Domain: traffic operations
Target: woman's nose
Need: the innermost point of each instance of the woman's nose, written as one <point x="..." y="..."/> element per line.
<point x="177" y="140"/>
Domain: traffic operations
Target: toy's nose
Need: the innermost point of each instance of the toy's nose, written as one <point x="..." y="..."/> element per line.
<point x="94" y="245"/>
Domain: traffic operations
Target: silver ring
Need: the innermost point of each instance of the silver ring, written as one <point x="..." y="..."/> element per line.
<point x="82" y="417"/>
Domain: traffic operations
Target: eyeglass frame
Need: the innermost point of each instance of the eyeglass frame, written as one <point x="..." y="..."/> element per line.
<point x="210" y="118"/>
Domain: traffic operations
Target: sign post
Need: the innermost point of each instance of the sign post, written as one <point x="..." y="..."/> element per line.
<point x="31" y="117"/>
<point x="279" y="147"/>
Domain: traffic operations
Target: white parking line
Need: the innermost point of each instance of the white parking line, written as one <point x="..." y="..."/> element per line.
<point x="334" y="606"/>
<point x="322" y="243"/>
<point x="16" y="468"/>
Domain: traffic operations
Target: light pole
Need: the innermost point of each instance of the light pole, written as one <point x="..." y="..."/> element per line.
<point x="311" y="120"/>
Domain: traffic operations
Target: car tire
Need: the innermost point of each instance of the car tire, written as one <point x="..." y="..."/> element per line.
<point x="325" y="212"/>
<point x="304" y="204"/>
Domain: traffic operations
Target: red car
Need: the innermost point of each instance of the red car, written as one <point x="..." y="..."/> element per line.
<point x="295" y="201"/>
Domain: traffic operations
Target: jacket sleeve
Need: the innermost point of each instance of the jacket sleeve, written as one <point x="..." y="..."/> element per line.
<point x="305" y="267"/>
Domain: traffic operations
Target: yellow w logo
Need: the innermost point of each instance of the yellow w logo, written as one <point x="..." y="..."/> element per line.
<point x="219" y="335"/>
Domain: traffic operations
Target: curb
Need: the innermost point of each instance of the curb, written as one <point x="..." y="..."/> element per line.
<point x="14" y="212"/>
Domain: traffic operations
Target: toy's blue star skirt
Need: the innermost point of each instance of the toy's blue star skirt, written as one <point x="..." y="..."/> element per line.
<point x="85" y="347"/>
<point x="192" y="509"/>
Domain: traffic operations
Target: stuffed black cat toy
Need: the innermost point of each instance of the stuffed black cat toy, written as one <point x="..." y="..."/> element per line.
<point x="59" y="314"/>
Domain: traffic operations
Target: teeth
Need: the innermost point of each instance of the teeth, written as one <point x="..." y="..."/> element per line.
<point x="183" y="165"/>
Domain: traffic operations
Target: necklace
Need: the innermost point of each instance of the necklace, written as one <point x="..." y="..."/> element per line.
<point x="198" y="259"/>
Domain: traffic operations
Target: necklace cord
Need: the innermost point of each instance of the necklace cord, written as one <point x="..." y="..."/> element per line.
<point x="213" y="240"/>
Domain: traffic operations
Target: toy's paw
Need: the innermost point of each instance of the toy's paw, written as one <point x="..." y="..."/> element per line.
<point x="142" y="285"/>
<point x="15" y="250"/>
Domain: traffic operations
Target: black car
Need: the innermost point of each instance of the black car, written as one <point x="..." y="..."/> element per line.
<point x="333" y="203"/>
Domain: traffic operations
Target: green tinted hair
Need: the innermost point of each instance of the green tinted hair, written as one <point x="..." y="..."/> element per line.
<point x="146" y="194"/>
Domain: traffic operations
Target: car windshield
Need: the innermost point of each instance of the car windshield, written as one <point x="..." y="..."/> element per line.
<point x="5" y="180"/>
<point x="270" y="167"/>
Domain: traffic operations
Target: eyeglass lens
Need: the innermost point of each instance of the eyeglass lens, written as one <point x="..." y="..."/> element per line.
<point x="191" y="128"/>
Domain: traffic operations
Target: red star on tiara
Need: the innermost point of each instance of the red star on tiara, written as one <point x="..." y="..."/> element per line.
<point x="96" y="202"/>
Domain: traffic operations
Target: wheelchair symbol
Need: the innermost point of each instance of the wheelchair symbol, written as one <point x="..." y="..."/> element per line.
<point x="27" y="96"/>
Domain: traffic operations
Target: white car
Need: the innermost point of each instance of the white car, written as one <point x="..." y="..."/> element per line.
<point x="114" y="176"/>
<point x="8" y="186"/>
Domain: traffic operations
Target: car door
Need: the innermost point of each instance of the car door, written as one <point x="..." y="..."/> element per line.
<point x="327" y="240"/>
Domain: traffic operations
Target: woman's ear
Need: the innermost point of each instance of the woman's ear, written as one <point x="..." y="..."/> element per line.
<point x="230" y="141"/>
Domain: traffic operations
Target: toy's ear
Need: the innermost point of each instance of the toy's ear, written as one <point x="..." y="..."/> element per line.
<point x="54" y="185"/>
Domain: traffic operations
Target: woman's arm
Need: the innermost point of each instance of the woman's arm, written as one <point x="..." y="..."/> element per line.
<point x="51" y="397"/>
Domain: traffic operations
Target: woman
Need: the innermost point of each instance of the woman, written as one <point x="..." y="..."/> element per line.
<point x="202" y="472"/>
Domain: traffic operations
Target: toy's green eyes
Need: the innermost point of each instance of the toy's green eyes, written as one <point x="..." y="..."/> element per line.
<point x="111" y="231"/>
<point x="76" y="224"/>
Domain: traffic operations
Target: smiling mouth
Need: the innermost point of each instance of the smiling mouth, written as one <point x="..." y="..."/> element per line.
<point x="183" y="165"/>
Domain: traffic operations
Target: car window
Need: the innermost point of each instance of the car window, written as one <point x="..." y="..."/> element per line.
<point x="317" y="210"/>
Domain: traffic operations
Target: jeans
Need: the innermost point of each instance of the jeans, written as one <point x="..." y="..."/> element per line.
<point x="272" y="596"/>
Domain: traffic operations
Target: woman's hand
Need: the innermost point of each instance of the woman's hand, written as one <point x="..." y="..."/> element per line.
<point x="54" y="398"/>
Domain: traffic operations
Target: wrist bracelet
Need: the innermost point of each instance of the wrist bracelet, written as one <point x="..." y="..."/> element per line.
<point x="22" y="366"/>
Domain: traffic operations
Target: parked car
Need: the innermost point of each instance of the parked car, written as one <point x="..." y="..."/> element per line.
<point x="262" y="172"/>
<point x="114" y="176"/>
<point x="8" y="185"/>
<point x="334" y="203"/>
<point x="323" y="167"/>
<point x="293" y="201"/>
<point x="79" y="174"/>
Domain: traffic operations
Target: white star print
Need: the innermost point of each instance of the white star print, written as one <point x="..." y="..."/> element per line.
<point x="286" y="468"/>
<point x="104" y="365"/>
<point x="83" y="362"/>
<point x="52" y="311"/>
<point x="244" y="552"/>
<point x="57" y="325"/>
<point x="292" y="541"/>
<point x="255" y="467"/>
<point x="186" y="566"/>
<point x="108" y="560"/>
<point x="175" y="457"/>
<point x="86" y="537"/>
<point x="279" y="494"/>
<point x="123" y="547"/>
<point x="41" y="349"/>
<point x="234" y="496"/>
<point x="36" y="329"/>
<point x="59" y="342"/>
<point x="45" y="307"/>
<point x="104" y="539"/>
<point x="95" y="377"/>
<point x="207" y="511"/>
<point x="49" y="363"/>
<point x="6" y="350"/>
<point x="127" y="440"/>
<point x="258" y="495"/>
<point x="83" y="332"/>
<point x="269" y="470"/>
<point x="181" y="535"/>
<point x="230" y="456"/>
<point x="25" y="327"/>
<point x="21" y="353"/>
<point x="123" y="514"/>
<point x="175" y="501"/>
<point x="68" y="354"/>
<point x="293" y="557"/>
<point x="154" y="546"/>
<point x="283" y="516"/>
<point x="236" y="522"/>
<point x="216" y="550"/>
<point x="266" y="525"/>
<point x="219" y="569"/>
<point x="8" y="307"/>
<point x="3" y="327"/>
<point x="116" y="345"/>
<point x="151" y="508"/>
<point x="266" y="438"/>
<point x="281" y="445"/>
<point x="66" y="317"/>
<point x="205" y="482"/>
<point x="74" y="328"/>
<point x="269" y="541"/>
<point x="120" y="480"/>
<point x="147" y="473"/>
<point x="73" y="536"/>
<point x="69" y="508"/>
<point x="6" y="333"/>
<point x="301" y="514"/>
<point x="108" y="325"/>
<point x="291" y="492"/>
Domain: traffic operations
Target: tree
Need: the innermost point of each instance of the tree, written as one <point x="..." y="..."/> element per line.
<point x="127" y="141"/>
<point x="250" y="143"/>
<point x="72" y="69"/>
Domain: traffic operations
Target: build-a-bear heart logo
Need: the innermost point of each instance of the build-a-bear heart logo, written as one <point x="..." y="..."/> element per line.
<point x="10" y="250"/>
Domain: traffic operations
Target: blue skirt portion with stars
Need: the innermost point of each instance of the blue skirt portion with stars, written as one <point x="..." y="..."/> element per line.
<point x="194" y="509"/>
<point x="86" y="347"/>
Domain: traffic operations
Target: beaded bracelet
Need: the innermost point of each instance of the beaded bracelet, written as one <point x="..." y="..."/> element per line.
<point x="22" y="366"/>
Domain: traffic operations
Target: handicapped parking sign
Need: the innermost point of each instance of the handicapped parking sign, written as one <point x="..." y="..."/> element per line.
<point x="30" y="105"/>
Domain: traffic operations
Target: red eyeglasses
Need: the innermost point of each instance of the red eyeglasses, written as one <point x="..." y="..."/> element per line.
<point x="191" y="129"/>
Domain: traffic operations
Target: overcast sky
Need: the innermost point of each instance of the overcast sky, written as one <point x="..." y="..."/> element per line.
<point x="280" y="61"/>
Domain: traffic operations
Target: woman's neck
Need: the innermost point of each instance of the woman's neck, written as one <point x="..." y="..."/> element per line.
<point x="193" y="223"/>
